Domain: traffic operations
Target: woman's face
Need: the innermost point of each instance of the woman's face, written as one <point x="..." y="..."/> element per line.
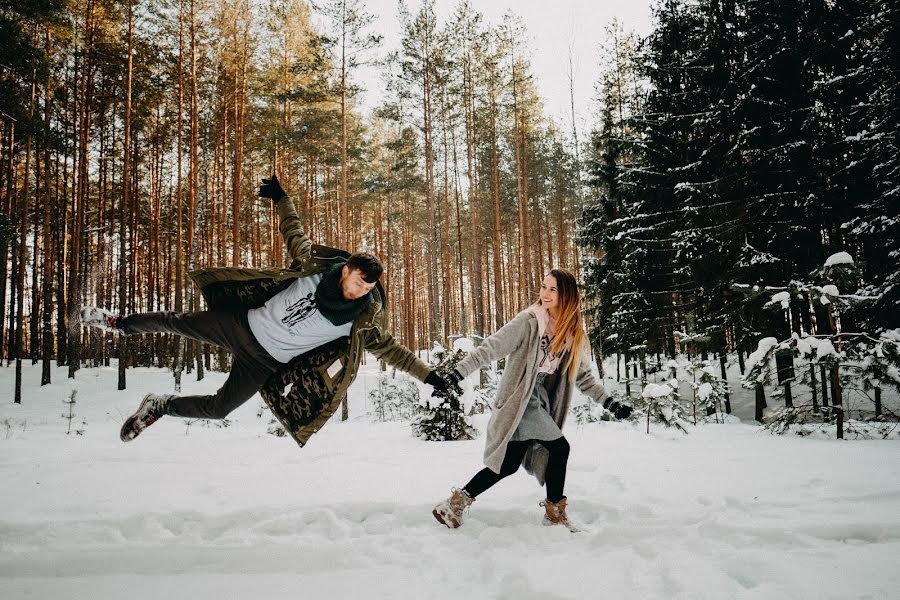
<point x="549" y="293"/>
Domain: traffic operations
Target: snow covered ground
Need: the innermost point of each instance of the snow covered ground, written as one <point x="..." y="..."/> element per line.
<point x="206" y="512"/>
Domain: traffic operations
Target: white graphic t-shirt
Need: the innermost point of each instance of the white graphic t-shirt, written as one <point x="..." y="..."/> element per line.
<point x="290" y="323"/>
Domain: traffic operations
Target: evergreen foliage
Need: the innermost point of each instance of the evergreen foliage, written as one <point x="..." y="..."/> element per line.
<point x="593" y="412"/>
<point x="762" y="140"/>
<point x="443" y="419"/>
<point x="710" y="388"/>
<point x="22" y="56"/>
<point x="859" y="362"/>
<point x="7" y="233"/>
<point x="663" y="405"/>
<point x="393" y="399"/>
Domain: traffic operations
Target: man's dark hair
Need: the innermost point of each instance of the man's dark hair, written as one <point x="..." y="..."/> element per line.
<point x="368" y="264"/>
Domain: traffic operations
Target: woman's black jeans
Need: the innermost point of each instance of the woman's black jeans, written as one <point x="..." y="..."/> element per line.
<point x="555" y="476"/>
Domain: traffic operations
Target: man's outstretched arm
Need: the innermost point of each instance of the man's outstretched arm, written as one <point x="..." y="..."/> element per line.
<point x="298" y="243"/>
<point x="386" y="348"/>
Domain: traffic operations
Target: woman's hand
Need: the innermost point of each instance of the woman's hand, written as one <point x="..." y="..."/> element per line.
<point x="619" y="411"/>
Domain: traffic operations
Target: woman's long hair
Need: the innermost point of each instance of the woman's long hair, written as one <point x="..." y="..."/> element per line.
<point x="569" y="334"/>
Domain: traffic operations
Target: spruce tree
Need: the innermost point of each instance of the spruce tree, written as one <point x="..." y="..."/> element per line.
<point x="870" y="140"/>
<point x="619" y="309"/>
<point x="443" y="418"/>
<point x="653" y="229"/>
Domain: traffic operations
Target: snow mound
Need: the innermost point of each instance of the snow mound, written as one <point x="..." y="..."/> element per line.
<point x="839" y="258"/>
<point x="656" y="390"/>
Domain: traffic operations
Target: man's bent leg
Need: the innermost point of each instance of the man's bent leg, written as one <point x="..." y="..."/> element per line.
<point x="213" y="327"/>
<point x="244" y="380"/>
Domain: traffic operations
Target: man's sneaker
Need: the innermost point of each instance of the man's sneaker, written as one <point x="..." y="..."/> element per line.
<point x="450" y="512"/>
<point x="94" y="316"/>
<point x="152" y="407"/>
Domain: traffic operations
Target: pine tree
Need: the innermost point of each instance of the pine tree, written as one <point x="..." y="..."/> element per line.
<point x="776" y="111"/>
<point x="614" y="302"/>
<point x="663" y="405"/>
<point x="443" y="419"/>
<point x="665" y="147"/>
<point x="870" y="140"/>
<point x="394" y="399"/>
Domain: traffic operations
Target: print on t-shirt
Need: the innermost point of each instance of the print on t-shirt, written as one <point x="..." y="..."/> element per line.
<point x="300" y="310"/>
<point x="549" y="361"/>
<point x="290" y="322"/>
<point x="545" y="350"/>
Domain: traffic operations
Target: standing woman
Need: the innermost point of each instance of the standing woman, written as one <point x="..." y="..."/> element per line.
<point x="547" y="354"/>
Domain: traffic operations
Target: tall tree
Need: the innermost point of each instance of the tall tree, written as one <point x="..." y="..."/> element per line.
<point x="348" y="21"/>
<point x="126" y="188"/>
<point x="421" y="63"/>
<point x="867" y="97"/>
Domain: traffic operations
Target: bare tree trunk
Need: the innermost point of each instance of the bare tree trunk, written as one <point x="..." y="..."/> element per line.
<point x="408" y="270"/>
<point x="760" y="403"/>
<point x="47" y="350"/>
<point x="463" y="312"/>
<point x="878" y="405"/>
<point x="446" y="270"/>
<point x="495" y="189"/>
<point x="193" y="180"/>
<point x="837" y="401"/>
<point x="526" y="279"/>
<point x="77" y="262"/>
<point x="722" y="363"/>
<point x="14" y="200"/>
<point x="5" y="247"/>
<point x="70" y="103"/>
<point x="22" y="231"/>
<point x="813" y="386"/>
<point x="178" y="364"/>
<point x="434" y="305"/>
<point x="126" y="196"/>
<point x="239" y="94"/>
<point x="345" y="167"/>
<point x="561" y="238"/>
<point x="36" y="220"/>
<point x="221" y="212"/>
<point x="477" y="278"/>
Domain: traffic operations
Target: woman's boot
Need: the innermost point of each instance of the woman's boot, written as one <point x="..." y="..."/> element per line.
<point x="450" y="511"/>
<point x="555" y="514"/>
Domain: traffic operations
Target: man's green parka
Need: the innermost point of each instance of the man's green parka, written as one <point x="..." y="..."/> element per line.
<point x="318" y="379"/>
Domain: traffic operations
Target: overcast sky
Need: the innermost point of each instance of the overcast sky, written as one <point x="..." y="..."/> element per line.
<point x="553" y="26"/>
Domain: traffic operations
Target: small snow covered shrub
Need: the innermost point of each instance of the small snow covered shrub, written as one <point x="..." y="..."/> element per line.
<point x="662" y="405"/>
<point x="393" y="399"/>
<point x="709" y="387"/>
<point x="443" y="419"/>
<point x="593" y="412"/>
<point x="70" y="415"/>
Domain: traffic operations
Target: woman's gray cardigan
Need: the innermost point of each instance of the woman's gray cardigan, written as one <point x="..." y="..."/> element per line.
<point x="519" y="340"/>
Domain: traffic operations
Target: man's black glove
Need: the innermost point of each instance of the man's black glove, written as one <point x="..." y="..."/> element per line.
<point x="443" y="385"/>
<point x="619" y="411"/>
<point x="271" y="188"/>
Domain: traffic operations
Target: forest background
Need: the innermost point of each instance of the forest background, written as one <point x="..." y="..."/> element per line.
<point x="734" y="151"/>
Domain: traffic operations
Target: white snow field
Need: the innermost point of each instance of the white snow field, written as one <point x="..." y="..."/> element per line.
<point x="199" y="511"/>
